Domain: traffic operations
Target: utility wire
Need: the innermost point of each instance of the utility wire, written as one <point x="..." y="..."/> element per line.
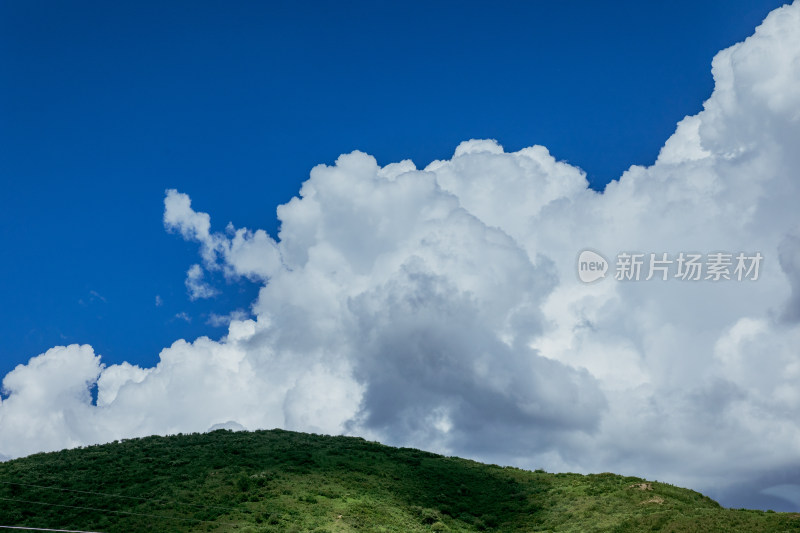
<point x="160" y="517"/>
<point x="161" y="500"/>
<point x="43" y="529"/>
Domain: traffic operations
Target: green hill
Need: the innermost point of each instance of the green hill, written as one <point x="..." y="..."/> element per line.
<point x="284" y="481"/>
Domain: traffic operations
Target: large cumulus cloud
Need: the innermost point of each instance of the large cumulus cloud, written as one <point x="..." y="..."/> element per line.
<point x="439" y="307"/>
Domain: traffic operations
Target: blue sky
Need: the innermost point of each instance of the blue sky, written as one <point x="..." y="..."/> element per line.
<point x="105" y="105"/>
<point x="435" y="309"/>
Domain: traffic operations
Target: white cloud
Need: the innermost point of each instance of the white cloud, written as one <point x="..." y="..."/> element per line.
<point x="114" y="377"/>
<point x="179" y="216"/>
<point x="49" y="403"/>
<point x="196" y="285"/>
<point x="440" y="308"/>
<point x="252" y="254"/>
<point x="230" y="425"/>
<point x="224" y="320"/>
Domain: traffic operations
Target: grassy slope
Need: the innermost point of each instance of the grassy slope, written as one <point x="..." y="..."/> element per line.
<point x="284" y="481"/>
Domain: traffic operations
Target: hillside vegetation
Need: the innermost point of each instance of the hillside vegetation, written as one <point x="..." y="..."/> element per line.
<point x="284" y="481"/>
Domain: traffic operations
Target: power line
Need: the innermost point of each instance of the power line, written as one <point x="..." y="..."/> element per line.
<point x="161" y="517"/>
<point x="44" y="529"/>
<point x="160" y="500"/>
